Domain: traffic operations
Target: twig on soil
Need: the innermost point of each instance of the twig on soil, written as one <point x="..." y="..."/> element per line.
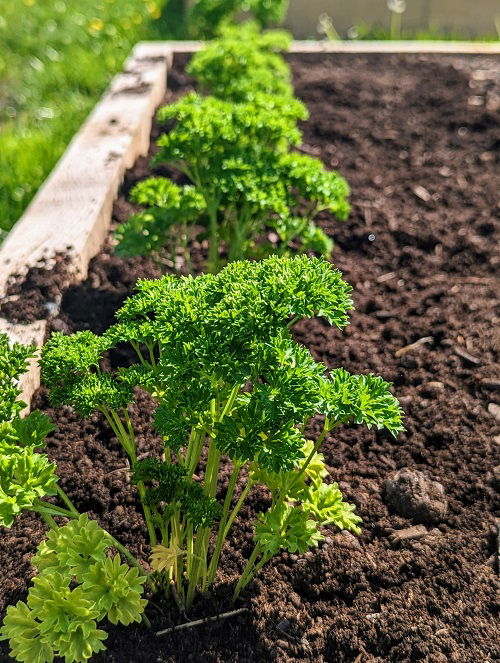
<point x="413" y="346"/>
<point x="205" y="620"/>
<point x="467" y="356"/>
<point x="386" y="277"/>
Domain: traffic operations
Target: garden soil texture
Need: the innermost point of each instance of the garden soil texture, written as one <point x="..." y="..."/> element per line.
<point x="418" y="139"/>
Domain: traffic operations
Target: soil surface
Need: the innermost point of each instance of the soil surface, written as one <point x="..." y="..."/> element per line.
<point x="418" y="140"/>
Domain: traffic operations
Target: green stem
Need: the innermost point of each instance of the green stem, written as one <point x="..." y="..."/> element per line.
<point x="49" y="520"/>
<point x="213" y="248"/>
<point x="246" y="571"/>
<point x="326" y="429"/>
<point x="395" y="25"/>
<point x="66" y="500"/>
<point x="252" y="573"/>
<point x="237" y="508"/>
<point x="214" y="562"/>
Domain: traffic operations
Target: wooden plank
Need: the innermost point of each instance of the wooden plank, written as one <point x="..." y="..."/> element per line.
<point x="438" y="47"/>
<point x="354" y="46"/>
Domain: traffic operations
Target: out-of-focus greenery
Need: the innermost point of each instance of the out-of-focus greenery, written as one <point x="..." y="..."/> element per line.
<point x="56" y="58"/>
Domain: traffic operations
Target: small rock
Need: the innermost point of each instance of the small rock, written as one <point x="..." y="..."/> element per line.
<point x="411" y="495"/>
<point x="494" y="410"/>
<point x="59" y="325"/>
<point x="346" y="540"/>
<point x="282" y="644"/>
<point x="422" y="193"/>
<point x="283" y="625"/>
<point x="295" y="600"/>
<point x="435" y="385"/>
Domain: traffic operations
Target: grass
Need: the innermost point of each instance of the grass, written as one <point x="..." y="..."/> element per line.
<point x="56" y="58"/>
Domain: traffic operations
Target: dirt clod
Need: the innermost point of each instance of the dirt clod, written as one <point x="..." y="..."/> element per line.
<point x="410" y="494"/>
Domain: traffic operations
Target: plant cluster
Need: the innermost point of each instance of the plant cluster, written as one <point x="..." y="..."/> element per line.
<point x="207" y="18"/>
<point x="216" y="352"/>
<point x="252" y="195"/>
<point x="78" y="584"/>
<point x="242" y="63"/>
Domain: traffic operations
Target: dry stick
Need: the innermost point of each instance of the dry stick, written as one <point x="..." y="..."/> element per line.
<point x="205" y="620"/>
<point x="413" y="346"/>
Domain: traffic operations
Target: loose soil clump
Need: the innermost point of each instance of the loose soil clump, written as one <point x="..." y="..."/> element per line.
<point x="417" y="139"/>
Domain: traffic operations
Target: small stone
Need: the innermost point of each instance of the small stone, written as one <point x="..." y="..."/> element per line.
<point x="346" y="540"/>
<point x="59" y="325"/>
<point x="283" y="625"/>
<point x="410" y="494"/>
<point x="435" y="385"/>
<point x="422" y="193"/>
<point x="295" y="600"/>
<point x="282" y="644"/>
<point x="494" y="410"/>
<point x="475" y="100"/>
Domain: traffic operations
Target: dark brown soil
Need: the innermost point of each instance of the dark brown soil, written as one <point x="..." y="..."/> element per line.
<point x="418" y="140"/>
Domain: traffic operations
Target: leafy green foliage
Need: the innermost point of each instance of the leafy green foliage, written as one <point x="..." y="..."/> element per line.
<point x="115" y="590"/>
<point x="14" y="360"/>
<point x="32" y="430"/>
<point x="73" y="549"/>
<point x="363" y="399"/>
<point x="173" y="490"/>
<point x="217" y="353"/>
<point x="208" y="128"/>
<point x="207" y="17"/>
<point x="25" y="476"/>
<point x="286" y="527"/>
<point x="243" y="63"/>
<point x="61" y="619"/>
<point x="236" y="155"/>
<point x="234" y="147"/>
<point x="167" y="206"/>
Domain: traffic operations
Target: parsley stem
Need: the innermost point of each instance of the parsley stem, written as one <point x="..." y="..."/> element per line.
<point x="214" y="562"/>
<point x="66" y="500"/>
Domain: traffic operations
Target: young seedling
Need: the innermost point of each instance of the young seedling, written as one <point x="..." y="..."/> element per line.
<point x="242" y="63"/>
<point x="237" y="157"/>
<point x="207" y="17"/>
<point x="77" y="585"/>
<point x="231" y="386"/>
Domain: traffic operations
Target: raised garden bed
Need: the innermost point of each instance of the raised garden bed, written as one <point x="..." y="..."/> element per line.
<point x="417" y="138"/>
